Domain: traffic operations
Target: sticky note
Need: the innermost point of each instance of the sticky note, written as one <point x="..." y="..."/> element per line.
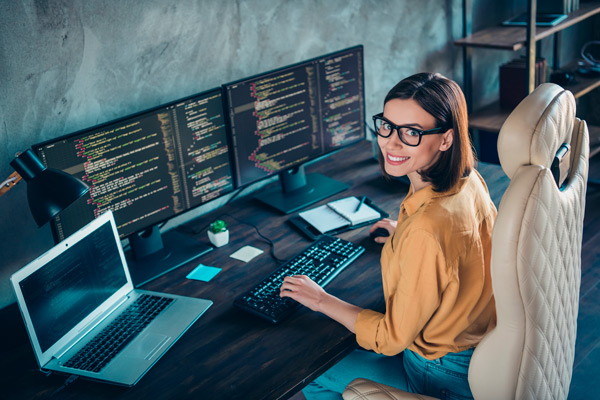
<point x="246" y="253"/>
<point x="203" y="273"/>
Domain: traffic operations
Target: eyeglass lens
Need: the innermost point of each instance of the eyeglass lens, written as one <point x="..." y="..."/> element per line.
<point x="409" y="136"/>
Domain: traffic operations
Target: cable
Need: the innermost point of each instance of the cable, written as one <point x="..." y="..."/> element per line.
<point x="588" y="56"/>
<point x="193" y="232"/>
<point x="68" y="381"/>
<point x="236" y="194"/>
<point x="269" y="241"/>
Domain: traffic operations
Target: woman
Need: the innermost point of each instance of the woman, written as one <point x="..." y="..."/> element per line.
<point x="435" y="264"/>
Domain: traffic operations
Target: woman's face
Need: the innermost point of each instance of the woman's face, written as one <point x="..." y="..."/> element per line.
<point x="401" y="159"/>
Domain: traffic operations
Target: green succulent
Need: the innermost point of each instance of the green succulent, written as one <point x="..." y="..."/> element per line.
<point x="218" y="226"/>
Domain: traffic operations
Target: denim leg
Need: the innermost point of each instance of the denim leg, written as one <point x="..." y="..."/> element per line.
<point x="358" y="364"/>
<point x="444" y="378"/>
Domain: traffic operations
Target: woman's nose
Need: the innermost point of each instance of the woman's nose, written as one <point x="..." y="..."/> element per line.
<point x="394" y="139"/>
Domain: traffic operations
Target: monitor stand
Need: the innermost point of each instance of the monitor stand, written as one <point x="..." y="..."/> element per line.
<point x="154" y="254"/>
<point x="299" y="190"/>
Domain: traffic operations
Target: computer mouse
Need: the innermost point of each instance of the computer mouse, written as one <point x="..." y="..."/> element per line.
<point x="379" y="232"/>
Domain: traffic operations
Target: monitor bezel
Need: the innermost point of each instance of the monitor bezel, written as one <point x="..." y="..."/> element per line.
<point x="215" y="90"/>
<point x="230" y="139"/>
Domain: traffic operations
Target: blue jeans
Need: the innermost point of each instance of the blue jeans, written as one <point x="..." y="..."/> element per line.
<point x="444" y="378"/>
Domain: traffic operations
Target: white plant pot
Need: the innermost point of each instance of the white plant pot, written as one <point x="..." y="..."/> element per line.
<point x="219" y="239"/>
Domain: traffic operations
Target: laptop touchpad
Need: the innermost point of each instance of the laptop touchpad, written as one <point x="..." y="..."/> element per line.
<point x="146" y="346"/>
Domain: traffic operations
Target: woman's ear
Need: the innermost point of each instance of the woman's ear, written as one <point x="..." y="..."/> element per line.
<point x="447" y="139"/>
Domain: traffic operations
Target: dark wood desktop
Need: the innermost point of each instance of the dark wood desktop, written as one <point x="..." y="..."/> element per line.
<point x="228" y="354"/>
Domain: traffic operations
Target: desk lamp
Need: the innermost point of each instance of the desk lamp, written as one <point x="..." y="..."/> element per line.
<point x="49" y="191"/>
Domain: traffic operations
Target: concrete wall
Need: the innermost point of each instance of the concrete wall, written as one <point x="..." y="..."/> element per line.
<point x="66" y="65"/>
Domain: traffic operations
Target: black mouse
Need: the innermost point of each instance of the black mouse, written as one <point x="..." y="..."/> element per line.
<point x="379" y="232"/>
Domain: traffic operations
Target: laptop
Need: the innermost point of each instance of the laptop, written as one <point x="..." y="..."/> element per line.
<point x="74" y="294"/>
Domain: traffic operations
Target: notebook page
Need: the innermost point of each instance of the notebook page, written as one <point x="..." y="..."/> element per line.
<point x="347" y="208"/>
<point x="324" y="219"/>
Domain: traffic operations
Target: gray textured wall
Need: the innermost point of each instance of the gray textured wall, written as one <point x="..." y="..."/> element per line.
<point x="67" y="65"/>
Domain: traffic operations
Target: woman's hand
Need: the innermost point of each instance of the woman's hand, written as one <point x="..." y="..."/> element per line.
<point x="304" y="290"/>
<point x="308" y="293"/>
<point x="387" y="224"/>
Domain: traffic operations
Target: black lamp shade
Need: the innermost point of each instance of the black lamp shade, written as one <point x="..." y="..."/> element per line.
<point x="49" y="191"/>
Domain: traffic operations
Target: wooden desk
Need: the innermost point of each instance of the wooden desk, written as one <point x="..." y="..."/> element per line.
<point x="228" y="354"/>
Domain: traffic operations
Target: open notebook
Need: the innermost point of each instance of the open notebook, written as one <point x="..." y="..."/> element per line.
<point x="340" y="213"/>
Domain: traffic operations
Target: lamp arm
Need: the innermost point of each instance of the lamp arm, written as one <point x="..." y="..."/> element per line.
<point x="8" y="184"/>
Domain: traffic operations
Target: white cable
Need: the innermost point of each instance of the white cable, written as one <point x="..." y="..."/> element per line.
<point x="8" y="181"/>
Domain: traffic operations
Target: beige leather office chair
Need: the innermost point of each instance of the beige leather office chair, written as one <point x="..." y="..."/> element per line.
<point x="536" y="259"/>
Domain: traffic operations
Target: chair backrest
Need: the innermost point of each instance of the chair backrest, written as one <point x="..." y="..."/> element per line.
<point x="536" y="254"/>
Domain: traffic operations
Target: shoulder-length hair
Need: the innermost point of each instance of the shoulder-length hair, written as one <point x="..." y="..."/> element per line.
<point x="445" y="101"/>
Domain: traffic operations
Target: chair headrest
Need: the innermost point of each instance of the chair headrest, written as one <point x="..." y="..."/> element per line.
<point x="537" y="127"/>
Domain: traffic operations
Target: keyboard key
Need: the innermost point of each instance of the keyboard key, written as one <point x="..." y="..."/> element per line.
<point x="322" y="261"/>
<point x="122" y="330"/>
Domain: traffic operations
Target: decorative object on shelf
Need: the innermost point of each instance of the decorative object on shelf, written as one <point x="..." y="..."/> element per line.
<point x="218" y="233"/>
<point x="49" y="191"/>
<point x="590" y="63"/>
<point x="562" y="78"/>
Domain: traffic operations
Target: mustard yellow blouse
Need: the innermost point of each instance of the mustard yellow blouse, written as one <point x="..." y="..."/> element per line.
<point x="436" y="274"/>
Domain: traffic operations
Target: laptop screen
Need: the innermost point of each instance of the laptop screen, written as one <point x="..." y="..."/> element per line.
<point x="68" y="288"/>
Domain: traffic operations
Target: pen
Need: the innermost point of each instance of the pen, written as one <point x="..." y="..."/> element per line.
<point x="362" y="200"/>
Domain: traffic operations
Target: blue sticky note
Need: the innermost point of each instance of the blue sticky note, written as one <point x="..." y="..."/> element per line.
<point x="203" y="273"/>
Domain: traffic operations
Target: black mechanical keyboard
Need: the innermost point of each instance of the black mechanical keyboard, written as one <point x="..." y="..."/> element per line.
<point x="100" y="350"/>
<point x="321" y="261"/>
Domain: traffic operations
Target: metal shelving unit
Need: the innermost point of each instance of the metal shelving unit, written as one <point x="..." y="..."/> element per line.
<point x="512" y="38"/>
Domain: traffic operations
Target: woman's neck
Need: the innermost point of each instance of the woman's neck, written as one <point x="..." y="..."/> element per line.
<point x="416" y="182"/>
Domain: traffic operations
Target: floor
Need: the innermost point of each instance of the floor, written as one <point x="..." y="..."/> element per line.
<point x="585" y="383"/>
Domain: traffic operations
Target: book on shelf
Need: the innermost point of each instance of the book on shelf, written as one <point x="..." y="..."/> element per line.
<point x="557" y="6"/>
<point x="513" y="78"/>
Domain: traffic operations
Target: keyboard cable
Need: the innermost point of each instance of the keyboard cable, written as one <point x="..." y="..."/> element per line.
<point x="192" y="231"/>
<point x="266" y="239"/>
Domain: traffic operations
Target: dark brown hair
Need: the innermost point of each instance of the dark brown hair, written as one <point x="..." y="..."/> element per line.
<point x="445" y="101"/>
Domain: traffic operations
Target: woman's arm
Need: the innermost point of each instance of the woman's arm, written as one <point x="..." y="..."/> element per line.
<point x="308" y="293"/>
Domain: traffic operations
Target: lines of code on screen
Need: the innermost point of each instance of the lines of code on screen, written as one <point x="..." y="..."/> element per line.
<point x="148" y="167"/>
<point x="281" y="119"/>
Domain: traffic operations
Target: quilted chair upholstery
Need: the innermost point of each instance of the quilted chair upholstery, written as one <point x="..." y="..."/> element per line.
<point x="536" y="259"/>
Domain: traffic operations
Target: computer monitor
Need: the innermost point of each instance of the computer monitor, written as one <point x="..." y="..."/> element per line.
<point x="147" y="168"/>
<point x="282" y="119"/>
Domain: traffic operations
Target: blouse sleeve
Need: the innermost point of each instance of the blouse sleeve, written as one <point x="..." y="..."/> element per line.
<point x="419" y="277"/>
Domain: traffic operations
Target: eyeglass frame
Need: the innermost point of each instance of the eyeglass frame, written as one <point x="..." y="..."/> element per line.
<point x="434" y="131"/>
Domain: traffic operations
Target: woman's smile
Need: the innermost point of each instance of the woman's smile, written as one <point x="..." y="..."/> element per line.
<point x="396" y="160"/>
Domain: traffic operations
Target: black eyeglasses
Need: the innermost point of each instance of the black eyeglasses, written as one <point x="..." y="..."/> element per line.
<point x="408" y="135"/>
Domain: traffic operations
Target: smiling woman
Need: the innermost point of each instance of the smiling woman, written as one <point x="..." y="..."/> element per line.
<point x="400" y="157"/>
<point x="437" y="255"/>
<point x="427" y="104"/>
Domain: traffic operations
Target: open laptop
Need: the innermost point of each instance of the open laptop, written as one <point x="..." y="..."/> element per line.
<point x="72" y="293"/>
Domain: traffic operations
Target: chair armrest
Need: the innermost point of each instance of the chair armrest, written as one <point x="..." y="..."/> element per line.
<point x="364" y="389"/>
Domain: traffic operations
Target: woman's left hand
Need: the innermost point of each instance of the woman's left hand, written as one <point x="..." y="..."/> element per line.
<point x="304" y="290"/>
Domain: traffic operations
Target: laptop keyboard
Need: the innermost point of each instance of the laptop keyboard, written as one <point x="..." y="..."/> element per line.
<point x="112" y="339"/>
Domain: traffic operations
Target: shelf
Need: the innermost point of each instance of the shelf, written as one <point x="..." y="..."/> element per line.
<point x="583" y="85"/>
<point x="491" y="117"/>
<point x="514" y="38"/>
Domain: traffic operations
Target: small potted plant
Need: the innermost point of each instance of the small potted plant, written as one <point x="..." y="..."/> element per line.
<point x="218" y="233"/>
